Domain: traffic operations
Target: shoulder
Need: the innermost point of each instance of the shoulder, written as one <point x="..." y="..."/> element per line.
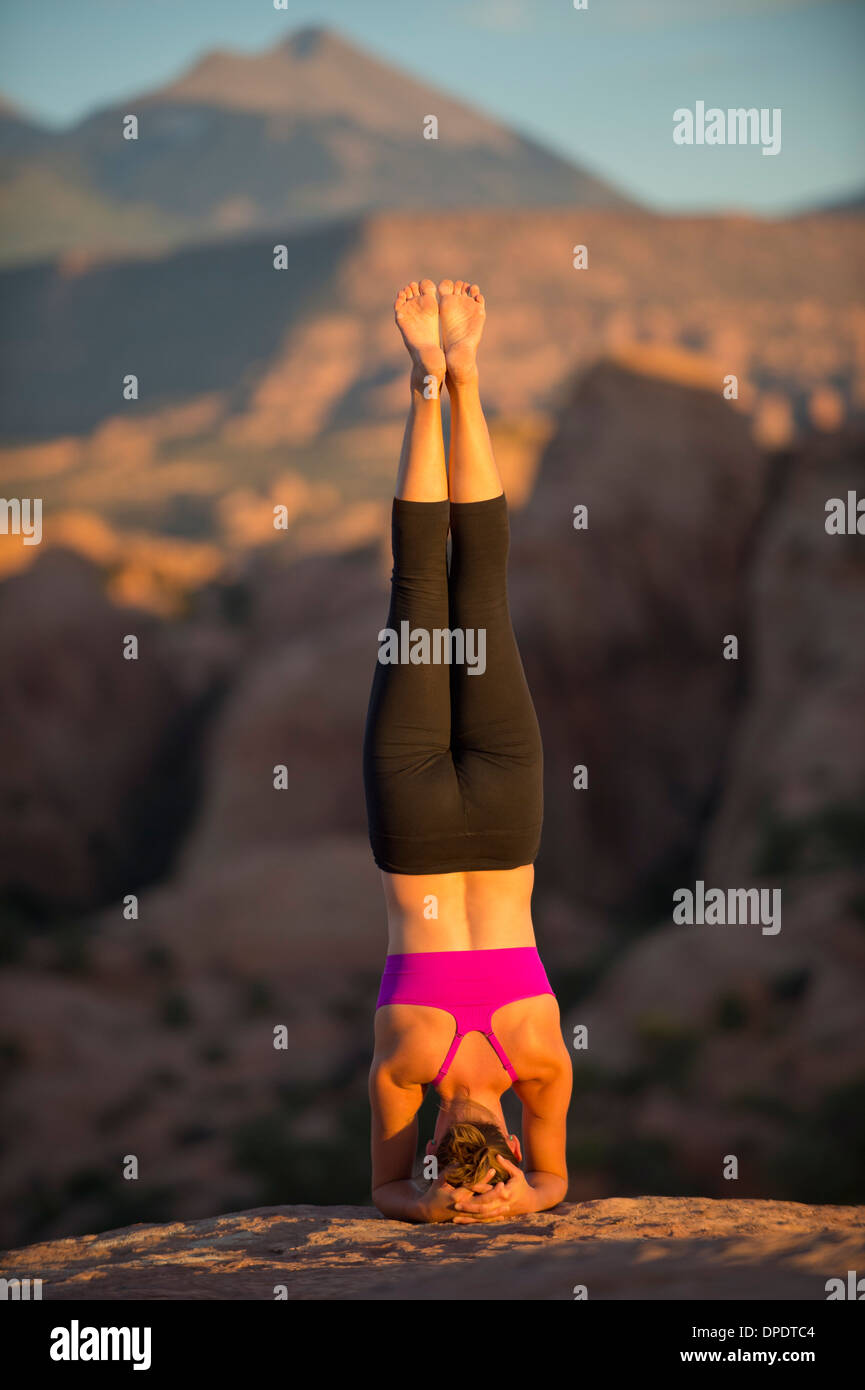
<point x="536" y="1022"/>
<point x="544" y="1059"/>
<point x="410" y="1041"/>
<point x="394" y="1098"/>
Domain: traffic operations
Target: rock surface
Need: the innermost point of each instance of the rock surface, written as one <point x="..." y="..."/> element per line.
<point x="620" y="1248"/>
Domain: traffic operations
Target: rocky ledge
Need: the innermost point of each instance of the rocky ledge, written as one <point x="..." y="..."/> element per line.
<point x="618" y="1248"/>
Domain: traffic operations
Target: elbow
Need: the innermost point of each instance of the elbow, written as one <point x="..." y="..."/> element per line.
<point x="386" y="1200"/>
<point x="379" y="1200"/>
<point x="559" y="1190"/>
<point x="552" y="1189"/>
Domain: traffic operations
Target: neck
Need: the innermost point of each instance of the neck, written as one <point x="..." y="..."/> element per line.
<point x="453" y="1111"/>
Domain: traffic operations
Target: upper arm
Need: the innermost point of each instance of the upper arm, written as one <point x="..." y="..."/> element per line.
<point x="394" y="1125"/>
<point x="545" y="1117"/>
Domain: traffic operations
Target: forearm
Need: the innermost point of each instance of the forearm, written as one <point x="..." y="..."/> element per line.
<point x="548" y="1189"/>
<point x="400" y="1201"/>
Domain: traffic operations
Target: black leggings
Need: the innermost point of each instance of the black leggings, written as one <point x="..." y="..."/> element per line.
<point x="452" y="761"/>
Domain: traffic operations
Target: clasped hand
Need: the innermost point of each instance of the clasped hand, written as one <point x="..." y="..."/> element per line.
<point x="483" y="1201"/>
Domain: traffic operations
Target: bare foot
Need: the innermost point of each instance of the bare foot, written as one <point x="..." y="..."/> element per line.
<point x="417" y="314"/>
<point x="463" y="312"/>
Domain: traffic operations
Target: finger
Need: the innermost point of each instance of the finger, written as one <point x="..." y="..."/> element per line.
<point x="473" y="1203"/>
<point x="485" y="1202"/>
<point x="463" y="1197"/>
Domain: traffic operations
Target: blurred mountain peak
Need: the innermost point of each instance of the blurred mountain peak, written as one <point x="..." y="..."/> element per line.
<point x="278" y="77"/>
<point x="310" y="40"/>
<point x="312" y="129"/>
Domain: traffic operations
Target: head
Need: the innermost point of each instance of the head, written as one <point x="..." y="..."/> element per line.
<point x="472" y="1145"/>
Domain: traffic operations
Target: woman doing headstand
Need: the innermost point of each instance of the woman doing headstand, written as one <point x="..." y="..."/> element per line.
<point x="453" y="780"/>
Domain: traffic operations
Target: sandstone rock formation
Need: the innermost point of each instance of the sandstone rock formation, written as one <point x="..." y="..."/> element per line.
<point x="794" y="795"/>
<point x="622" y="623"/>
<point x="640" y="1248"/>
<point x="97" y="752"/>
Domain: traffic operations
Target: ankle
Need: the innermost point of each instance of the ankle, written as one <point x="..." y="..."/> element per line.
<point x="462" y="379"/>
<point x="427" y="380"/>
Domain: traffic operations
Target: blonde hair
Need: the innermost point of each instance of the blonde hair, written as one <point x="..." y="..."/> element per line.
<point x="471" y="1146"/>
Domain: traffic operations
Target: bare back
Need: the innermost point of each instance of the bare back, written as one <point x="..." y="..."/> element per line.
<point x="475" y="911"/>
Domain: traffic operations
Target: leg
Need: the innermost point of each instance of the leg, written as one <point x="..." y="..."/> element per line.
<point x="422" y="476"/>
<point x="494" y="730"/>
<point x="410" y="782"/>
<point x="472" y="472"/>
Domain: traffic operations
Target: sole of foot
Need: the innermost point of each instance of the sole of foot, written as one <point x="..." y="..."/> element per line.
<point x="416" y="311"/>
<point x="462" y="310"/>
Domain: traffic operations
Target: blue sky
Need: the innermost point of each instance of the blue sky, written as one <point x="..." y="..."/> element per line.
<point x="599" y="86"/>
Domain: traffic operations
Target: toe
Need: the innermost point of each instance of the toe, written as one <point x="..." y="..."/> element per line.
<point x="474" y="291"/>
<point x="446" y="287"/>
<point x="415" y="287"/>
<point x="427" y="287"/>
